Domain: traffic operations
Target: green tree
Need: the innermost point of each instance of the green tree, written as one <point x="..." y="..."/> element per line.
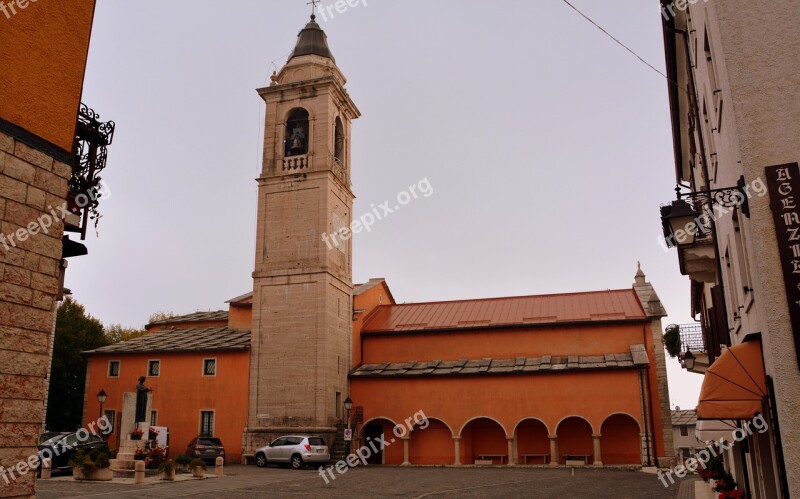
<point x="116" y="333"/>
<point x="76" y="331"/>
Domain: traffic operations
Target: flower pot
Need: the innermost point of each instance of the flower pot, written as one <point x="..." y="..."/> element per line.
<point x="168" y="475"/>
<point x="136" y="437"/>
<point x="198" y="472"/>
<point x="98" y="475"/>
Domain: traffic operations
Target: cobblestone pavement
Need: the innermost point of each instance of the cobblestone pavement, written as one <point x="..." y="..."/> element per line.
<point x="411" y="482"/>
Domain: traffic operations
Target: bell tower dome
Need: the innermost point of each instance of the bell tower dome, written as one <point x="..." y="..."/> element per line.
<point x="302" y="287"/>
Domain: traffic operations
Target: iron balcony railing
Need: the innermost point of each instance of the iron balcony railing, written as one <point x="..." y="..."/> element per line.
<point x="692" y="337"/>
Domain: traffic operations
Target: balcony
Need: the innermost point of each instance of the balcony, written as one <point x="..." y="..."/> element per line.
<point x="698" y="261"/>
<point x="294" y="164"/>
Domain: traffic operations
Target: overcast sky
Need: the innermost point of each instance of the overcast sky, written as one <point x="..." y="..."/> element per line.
<point x="547" y="145"/>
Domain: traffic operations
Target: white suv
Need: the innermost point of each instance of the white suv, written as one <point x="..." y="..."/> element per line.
<point x="294" y="450"/>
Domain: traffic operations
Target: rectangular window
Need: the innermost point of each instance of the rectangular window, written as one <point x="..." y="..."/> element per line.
<point x="713" y="79"/>
<point x="113" y="368"/>
<point x="209" y="367"/>
<point x="153" y="367"/>
<point x="111" y="416"/>
<point x="153" y="418"/>
<point x="684" y="431"/>
<point x="207" y="423"/>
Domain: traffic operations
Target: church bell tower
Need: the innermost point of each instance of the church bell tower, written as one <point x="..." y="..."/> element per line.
<point x="302" y="285"/>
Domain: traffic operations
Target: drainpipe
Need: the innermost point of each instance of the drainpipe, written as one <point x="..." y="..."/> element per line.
<point x="644" y="418"/>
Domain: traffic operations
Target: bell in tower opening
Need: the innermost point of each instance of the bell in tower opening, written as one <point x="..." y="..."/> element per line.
<point x="297" y="133"/>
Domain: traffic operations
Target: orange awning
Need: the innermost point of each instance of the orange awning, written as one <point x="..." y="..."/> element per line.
<point x="734" y="385"/>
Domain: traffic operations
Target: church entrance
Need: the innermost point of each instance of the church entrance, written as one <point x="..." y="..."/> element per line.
<point x="373" y="432"/>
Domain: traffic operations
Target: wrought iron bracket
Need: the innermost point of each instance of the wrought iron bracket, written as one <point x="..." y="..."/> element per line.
<point x="728" y="197"/>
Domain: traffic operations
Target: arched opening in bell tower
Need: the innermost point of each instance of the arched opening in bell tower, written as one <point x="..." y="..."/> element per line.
<point x="338" y="141"/>
<point x="297" y="136"/>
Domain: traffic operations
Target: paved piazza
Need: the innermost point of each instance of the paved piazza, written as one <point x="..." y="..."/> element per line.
<point x="413" y="482"/>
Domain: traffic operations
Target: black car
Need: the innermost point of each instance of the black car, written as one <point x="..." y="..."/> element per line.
<point x="61" y="448"/>
<point x="206" y="448"/>
<point x="49" y="435"/>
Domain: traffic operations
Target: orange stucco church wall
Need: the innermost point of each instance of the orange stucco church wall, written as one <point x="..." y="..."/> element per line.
<point x="594" y="395"/>
<point x="180" y="392"/>
<point x="502" y="343"/>
<point x="501" y="403"/>
<point x="43" y="58"/>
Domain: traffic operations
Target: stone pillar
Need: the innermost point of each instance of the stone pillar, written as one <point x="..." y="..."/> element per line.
<point x="511" y="458"/>
<point x="46" y="468"/>
<point x="406" y="440"/>
<point x="457" y="442"/>
<point x="138" y="477"/>
<point x="553" y="450"/>
<point x="598" y="461"/>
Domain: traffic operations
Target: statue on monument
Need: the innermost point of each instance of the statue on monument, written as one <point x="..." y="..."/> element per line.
<point x="141" y="400"/>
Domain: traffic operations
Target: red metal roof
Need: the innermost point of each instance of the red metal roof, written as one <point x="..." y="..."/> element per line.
<point x="594" y="306"/>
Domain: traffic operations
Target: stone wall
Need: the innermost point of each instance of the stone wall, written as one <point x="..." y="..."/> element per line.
<point x="32" y="187"/>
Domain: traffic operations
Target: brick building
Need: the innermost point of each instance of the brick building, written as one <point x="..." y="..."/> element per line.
<point x="42" y="162"/>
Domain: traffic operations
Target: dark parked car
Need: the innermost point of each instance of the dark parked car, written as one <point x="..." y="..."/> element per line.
<point x="48" y="435"/>
<point x="206" y="448"/>
<point x="61" y="448"/>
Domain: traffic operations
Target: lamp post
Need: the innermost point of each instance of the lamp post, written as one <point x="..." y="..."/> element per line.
<point x="348" y="404"/>
<point x="101" y="397"/>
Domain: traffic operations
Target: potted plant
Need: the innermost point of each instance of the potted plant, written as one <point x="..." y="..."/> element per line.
<point x="183" y="462"/>
<point x="152" y="433"/>
<point x="672" y="340"/>
<point x="136" y="434"/>
<point x="198" y="467"/>
<point x="167" y="468"/>
<point x="93" y="465"/>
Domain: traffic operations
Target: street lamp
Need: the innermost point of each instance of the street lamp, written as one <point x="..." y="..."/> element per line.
<point x="348" y="404"/>
<point x="688" y="360"/>
<point x="101" y="397"/>
<point x="679" y="221"/>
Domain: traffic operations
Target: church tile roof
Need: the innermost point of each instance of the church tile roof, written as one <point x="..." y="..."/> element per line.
<point x="206" y="316"/>
<point x="207" y="339"/>
<point x="595" y="306"/>
<point x="489" y="366"/>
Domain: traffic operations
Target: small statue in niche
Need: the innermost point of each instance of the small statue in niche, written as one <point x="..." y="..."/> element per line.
<point x="297" y="142"/>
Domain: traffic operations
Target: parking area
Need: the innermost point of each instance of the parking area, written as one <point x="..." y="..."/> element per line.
<point x="412" y="482"/>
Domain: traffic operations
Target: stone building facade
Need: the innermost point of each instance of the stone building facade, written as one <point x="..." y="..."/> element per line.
<point x="735" y="102"/>
<point x="299" y="380"/>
